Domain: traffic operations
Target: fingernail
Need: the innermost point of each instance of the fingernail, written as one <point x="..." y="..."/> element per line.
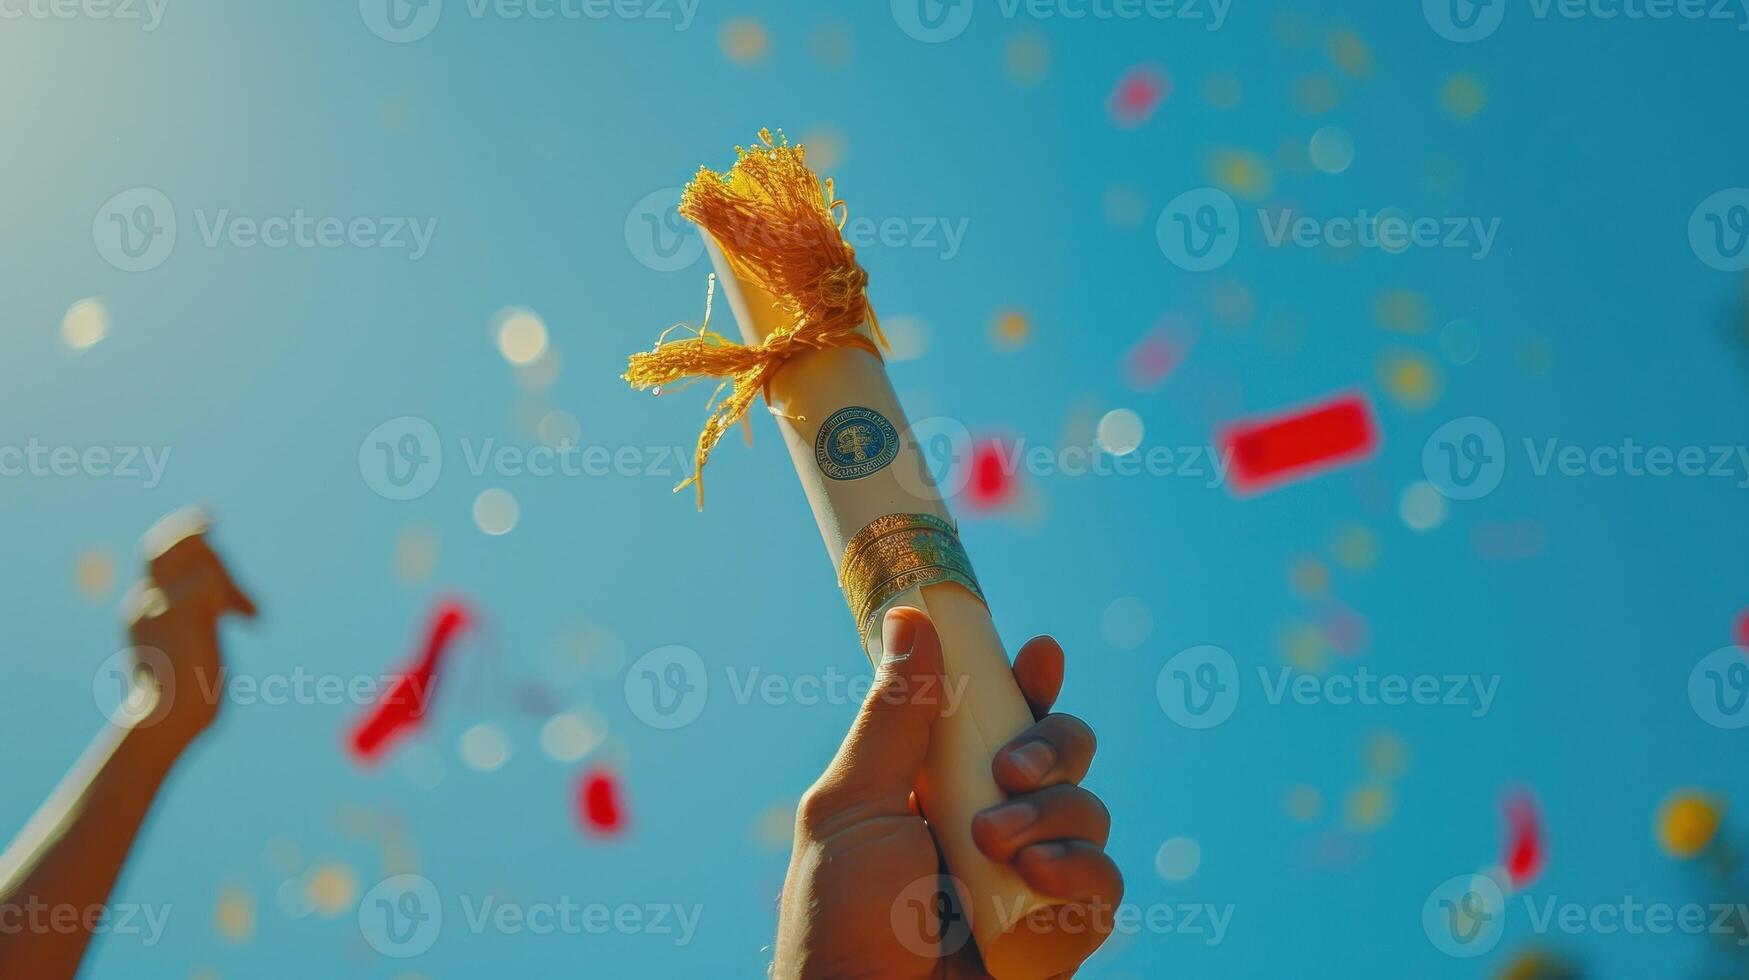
<point x="1010" y="818"/>
<point x="898" y="635"/>
<point x="1034" y="760"/>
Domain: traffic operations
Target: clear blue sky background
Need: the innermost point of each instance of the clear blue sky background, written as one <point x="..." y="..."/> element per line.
<point x="530" y="142"/>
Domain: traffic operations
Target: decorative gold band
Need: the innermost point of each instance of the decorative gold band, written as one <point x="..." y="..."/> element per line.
<point x="899" y="552"/>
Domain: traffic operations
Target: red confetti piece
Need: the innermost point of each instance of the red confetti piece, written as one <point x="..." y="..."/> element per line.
<point x="402" y="707"/>
<point x="1524" y="840"/>
<point x="991" y="483"/>
<point x="1299" y="444"/>
<point x="1346" y="630"/>
<point x="1743" y="630"/>
<point x="598" y="803"/>
<point x="1138" y="93"/>
<point x="1156" y="356"/>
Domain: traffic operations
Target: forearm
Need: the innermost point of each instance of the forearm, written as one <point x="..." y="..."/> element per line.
<point x="56" y="877"/>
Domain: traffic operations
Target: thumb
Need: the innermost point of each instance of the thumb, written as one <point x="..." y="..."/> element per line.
<point x="882" y="757"/>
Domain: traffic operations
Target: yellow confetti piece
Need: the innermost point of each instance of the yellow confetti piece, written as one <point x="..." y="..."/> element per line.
<point x="1386" y="756"/>
<point x="774" y="827"/>
<point x="1463" y="96"/>
<point x="94" y="573"/>
<point x="1315" y="94"/>
<point x="85" y="324"/>
<point x="416" y="549"/>
<point x="1349" y="52"/>
<point x="1369" y="807"/>
<point x="1403" y="310"/>
<point x="1011" y="329"/>
<point x="826" y="148"/>
<point x="1304" y="647"/>
<point x="1304" y="803"/>
<point x="1027" y="58"/>
<point x="1309" y="576"/>
<point x="1241" y="172"/>
<point x="1356" y="548"/>
<point x="235" y="916"/>
<point x="1687" y="823"/>
<point x="1223" y="90"/>
<point x="1411" y="379"/>
<point x="744" y="41"/>
<point x="332" y="888"/>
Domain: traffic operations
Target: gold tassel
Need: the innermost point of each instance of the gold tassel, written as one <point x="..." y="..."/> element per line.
<point x="781" y="232"/>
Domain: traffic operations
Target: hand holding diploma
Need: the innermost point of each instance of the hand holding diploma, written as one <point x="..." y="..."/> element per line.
<point x="859" y="899"/>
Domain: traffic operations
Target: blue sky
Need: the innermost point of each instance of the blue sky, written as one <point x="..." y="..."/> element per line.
<point x="486" y="159"/>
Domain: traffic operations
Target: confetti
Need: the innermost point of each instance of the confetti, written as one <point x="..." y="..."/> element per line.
<point x="832" y="45"/>
<point x="774" y="827"/>
<point x="1410" y="378"/>
<point x="1369" y="807"/>
<point x="1010" y="329"/>
<point x="235" y="915"/>
<point x="1386" y="756"/>
<point x="1178" y="858"/>
<point x="1126" y="623"/>
<point x="1525" y="852"/>
<point x="1356" y="548"/>
<point x="1463" y="96"/>
<point x="404" y="704"/>
<point x="1298" y="444"/>
<point x="571" y="735"/>
<point x="1402" y="310"/>
<point x="522" y="335"/>
<point x="907" y="337"/>
<point x="1241" y="172"/>
<point x="598" y="800"/>
<point x="84" y="325"/>
<point x="1152" y="359"/>
<point x="1120" y="432"/>
<point x="1316" y="94"/>
<point x="1742" y="638"/>
<point x="1027" y="58"/>
<point x="1303" y="646"/>
<point x="485" y="748"/>
<point x="332" y="888"/>
<point x="1304" y="803"/>
<point x="1422" y="506"/>
<point x="1687" y="823"/>
<point x="1309" y="576"/>
<point x="496" y="511"/>
<point x="1331" y="149"/>
<point x="1137" y="94"/>
<point x="1222" y="90"/>
<point x="744" y="41"/>
<point x="94" y="572"/>
<point x="992" y="482"/>
<point x="1347" y="631"/>
<point x="415" y="554"/>
<point x="1350" y="53"/>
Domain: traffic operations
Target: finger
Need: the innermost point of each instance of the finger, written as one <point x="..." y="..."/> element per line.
<point x="1074" y="870"/>
<point x="187" y="566"/>
<point x="882" y="757"/>
<point x="1056" y="813"/>
<point x="1038" y="669"/>
<point x="1058" y="749"/>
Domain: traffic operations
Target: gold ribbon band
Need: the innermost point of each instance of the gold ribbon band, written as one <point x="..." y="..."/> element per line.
<point x="899" y="552"/>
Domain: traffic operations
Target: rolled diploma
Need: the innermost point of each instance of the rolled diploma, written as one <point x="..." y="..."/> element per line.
<point x="957" y="781"/>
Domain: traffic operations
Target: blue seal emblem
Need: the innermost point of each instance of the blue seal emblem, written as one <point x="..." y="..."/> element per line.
<point x="854" y="443"/>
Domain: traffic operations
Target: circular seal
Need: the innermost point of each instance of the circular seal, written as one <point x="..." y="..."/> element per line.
<point x="854" y="443"/>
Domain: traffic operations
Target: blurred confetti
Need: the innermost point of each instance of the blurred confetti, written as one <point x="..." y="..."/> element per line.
<point x="1241" y="172"/>
<point x="1299" y="444"/>
<point x="1349" y="53"/>
<point x="1126" y="623"/>
<point x="1462" y="95"/>
<point x="1138" y="93"/>
<point x="1369" y="807"/>
<point x="484" y="747"/>
<point x="1027" y="58"/>
<point x="1687" y="823"/>
<point x="1010" y="329"/>
<point x="744" y="41"/>
<point x="1120" y="432"/>
<point x="331" y="888"/>
<point x="993" y="482"/>
<point x="1178" y="858"/>
<point x="234" y="916"/>
<point x="1309" y="576"/>
<point x="598" y="798"/>
<point x="1347" y="631"/>
<point x="84" y="325"/>
<point x="496" y="511"/>
<point x="826" y="148"/>
<point x="1403" y="310"/>
<point x="1742" y="635"/>
<point x="1151" y="360"/>
<point x="521" y="334"/>
<point x="907" y="337"/>
<point x="404" y="704"/>
<point x="1526" y="851"/>
<point x="1315" y="94"/>
<point x="1410" y="378"/>
<point x="1331" y="149"/>
<point x="1422" y="506"/>
<point x="1356" y="548"/>
<point x="94" y="572"/>
<point x="774" y="826"/>
<point x="1386" y="756"/>
<point x="832" y="45"/>
<point x="570" y="735"/>
<point x="415" y="554"/>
